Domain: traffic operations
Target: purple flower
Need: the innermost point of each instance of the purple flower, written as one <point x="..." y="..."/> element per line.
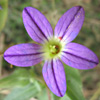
<point x="52" y="48"/>
<point x="0" y="8"/>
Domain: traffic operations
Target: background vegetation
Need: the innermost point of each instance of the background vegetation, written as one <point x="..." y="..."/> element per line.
<point x="27" y="83"/>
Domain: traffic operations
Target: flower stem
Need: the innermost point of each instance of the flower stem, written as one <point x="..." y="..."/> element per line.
<point x="96" y="95"/>
<point x="48" y="92"/>
<point x="2" y="37"/>
<point x="1" y="55"/>
<point x="53" y="4"/>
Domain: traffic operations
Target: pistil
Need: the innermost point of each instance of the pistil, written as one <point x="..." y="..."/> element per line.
<point x="54" y="49"/>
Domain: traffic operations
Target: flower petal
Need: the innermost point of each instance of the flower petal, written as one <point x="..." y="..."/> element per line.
<point x="23" y="55"/>
<point x="79" y="56"/>
<point x="54" y="76"/>
<point x="70" y="24"/>
<point x="36" y="25"/>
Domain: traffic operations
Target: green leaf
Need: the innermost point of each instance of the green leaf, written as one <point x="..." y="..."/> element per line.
<point x="66" y="97"/>
<point x="43" y="95"/>
<point x="23" y="93"/>
<point x="19" y="77"/>
<point x="74" y="85"/>
<point x="3" y="13"/>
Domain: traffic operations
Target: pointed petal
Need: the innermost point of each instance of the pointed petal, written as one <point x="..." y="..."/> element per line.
<point x="23" y="55"/>
<point x="70" y="24"/>
<point x="54" y="76"/>
<point x="79" y="56"/>
<point x="36" y="24"/>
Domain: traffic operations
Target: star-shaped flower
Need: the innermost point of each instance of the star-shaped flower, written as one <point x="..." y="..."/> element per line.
<point x="53" y="47"/>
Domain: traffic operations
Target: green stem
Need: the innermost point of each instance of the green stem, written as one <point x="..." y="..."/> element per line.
<point x="96" y="95"/>
<point x="1" y="55"/>
<point x="49" y="96"/>
<point x="53" y="4"/>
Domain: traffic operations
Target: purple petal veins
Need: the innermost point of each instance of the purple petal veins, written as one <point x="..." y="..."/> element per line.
<point x="78" y="56"/>
<point x="70" y="24"/>
<point x="24" y="54"/>
<point x="54" y="76"/>
<point x="36" y="25"/>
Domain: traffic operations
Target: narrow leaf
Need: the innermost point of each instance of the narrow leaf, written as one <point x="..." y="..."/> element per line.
<point x="23" y="93"/>
<point x="74" y="85"/>
<point x="17" y="78"/>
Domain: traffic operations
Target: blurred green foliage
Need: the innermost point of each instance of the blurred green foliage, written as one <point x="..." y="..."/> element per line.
<point x="25" y="85"/>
